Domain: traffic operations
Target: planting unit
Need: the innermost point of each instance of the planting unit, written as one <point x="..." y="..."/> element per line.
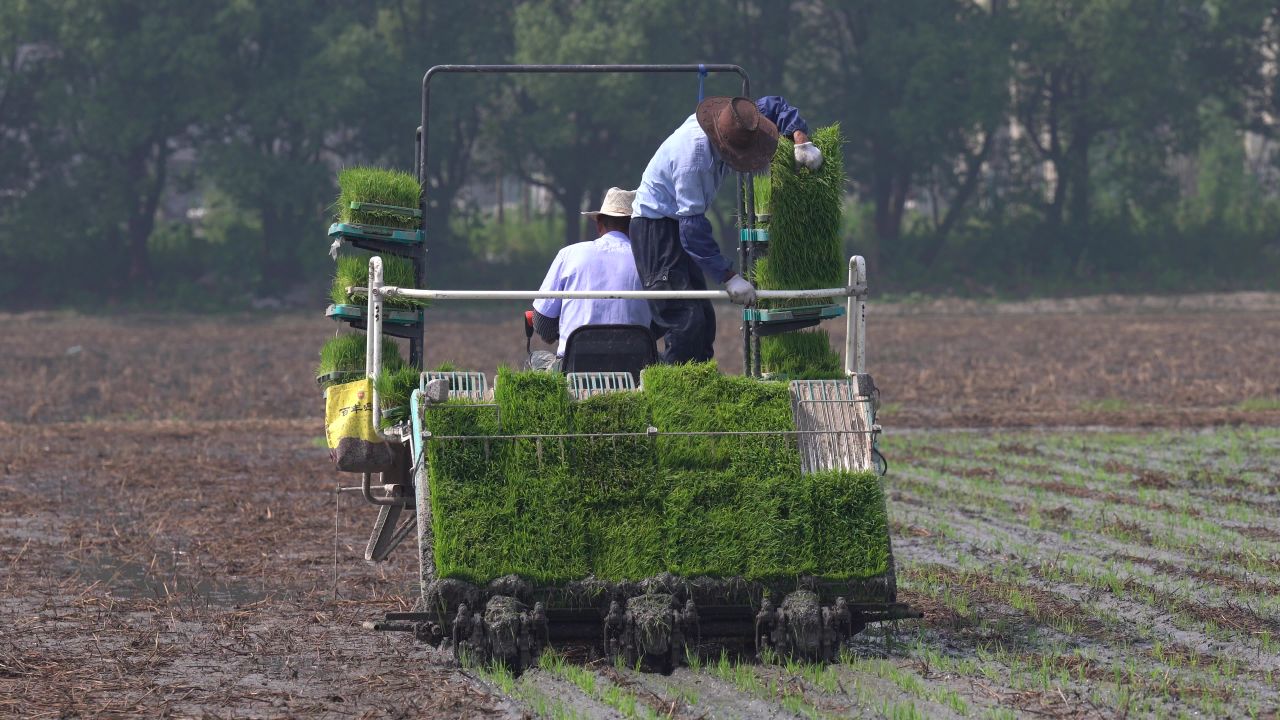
<point x="392" y="230"/>
<point x="640" y="517"/>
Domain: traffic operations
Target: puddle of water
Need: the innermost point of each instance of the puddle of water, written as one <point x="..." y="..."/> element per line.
<point x="129" y="579"/>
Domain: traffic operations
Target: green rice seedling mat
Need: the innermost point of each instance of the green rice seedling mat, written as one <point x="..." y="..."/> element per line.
<point x="584" y="498"/>
<point x="353" y="271"/>
<point x="342" y="358"/>
<point x="805" y="212"/>
<point x="805" y="250"/>
<point x="378" y="197"/>
<point x="800" y="356"/>
<point x="394" y="386"/>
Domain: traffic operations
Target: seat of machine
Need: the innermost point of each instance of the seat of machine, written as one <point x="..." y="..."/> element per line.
<point x="610" y="348"/>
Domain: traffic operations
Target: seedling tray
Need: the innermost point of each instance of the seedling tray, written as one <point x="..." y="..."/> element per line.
<point x="355" y="314"/>
<point x="754" y="235"/>
<point x="354" y="233"/>
<point x="792" y="314"/>
<point x="337" y="377"/>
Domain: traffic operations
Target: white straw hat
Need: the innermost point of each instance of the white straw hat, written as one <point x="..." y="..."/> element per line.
<point x="617" y="202"/>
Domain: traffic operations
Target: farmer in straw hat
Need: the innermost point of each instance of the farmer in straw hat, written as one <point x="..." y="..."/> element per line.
<point x="670" y="234"/>
<point x="602" y="264"/>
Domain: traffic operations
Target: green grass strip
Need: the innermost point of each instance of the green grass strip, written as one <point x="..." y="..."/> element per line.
<point x="381" y="187"/>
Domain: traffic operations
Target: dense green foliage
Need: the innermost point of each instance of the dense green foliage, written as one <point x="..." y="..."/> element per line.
<point x="1043" y="145"/>
<point x="634" y="506"/>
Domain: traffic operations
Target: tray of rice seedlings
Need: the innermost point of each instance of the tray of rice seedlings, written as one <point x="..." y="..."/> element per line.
<point x="574" y="503"/>
<point x="621" y="487"/>
<point x="805" y="211"/>
<point x="342" y="359"/>
<point x="378" y="197"/>
<point x="805" y="247"/>
<point x="353" y="271"/>
<point x="395" y="386"/>
<point x="506" y="507"/>
<point x="804" y="355"/>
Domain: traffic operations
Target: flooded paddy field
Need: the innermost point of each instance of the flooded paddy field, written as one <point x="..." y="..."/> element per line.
<point x="171" y="542"/>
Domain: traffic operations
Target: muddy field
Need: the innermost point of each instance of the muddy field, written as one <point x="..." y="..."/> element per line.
<point x="171" y="542"/>
<point x="1104" y="361"/>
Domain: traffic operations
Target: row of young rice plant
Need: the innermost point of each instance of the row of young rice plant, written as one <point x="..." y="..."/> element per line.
<point x="1110" y="567"/>
<point x="1053" y="577"/>
<point x="1050" y="616"/>
<point x="1172" y="521"/>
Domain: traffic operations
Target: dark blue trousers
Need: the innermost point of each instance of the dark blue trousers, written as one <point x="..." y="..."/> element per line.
<point x="688" y="326"/>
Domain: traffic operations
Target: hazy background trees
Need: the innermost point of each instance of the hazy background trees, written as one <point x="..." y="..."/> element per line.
<point x="185" y="152"/>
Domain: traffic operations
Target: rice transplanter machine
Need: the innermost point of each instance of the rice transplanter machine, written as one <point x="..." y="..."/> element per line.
<point x="653" y="619"/>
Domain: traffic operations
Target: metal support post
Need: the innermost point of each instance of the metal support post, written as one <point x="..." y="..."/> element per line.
<point x="373" y="333"/>
<point x="855" y="350"/>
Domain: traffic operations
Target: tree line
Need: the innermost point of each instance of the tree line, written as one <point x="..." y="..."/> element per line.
<point x="187" y="150"/>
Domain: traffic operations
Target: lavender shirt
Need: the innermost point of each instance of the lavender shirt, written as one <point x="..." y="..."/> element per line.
<point x="602" y="264"/>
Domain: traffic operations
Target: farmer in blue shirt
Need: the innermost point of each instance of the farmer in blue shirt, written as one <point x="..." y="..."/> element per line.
<point x="602" y="264"/>
<point x="670" y="234"/>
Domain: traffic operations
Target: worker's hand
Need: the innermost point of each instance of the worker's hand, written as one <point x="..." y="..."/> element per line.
<point x="740" y="291"/>
<point x="808" y="155"/>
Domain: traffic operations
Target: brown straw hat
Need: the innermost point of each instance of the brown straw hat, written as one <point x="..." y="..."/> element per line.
<point x="743" y="137"/>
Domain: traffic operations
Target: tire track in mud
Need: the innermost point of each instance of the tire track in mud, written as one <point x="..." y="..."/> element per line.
<point x="703" y="695"/>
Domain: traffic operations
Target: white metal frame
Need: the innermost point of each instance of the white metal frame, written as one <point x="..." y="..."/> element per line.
<point x="855" y="316"/>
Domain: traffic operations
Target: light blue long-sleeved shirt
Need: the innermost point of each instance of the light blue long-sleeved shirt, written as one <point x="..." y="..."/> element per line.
<point x="683" y="176"/>
<point x="602" y="264"/>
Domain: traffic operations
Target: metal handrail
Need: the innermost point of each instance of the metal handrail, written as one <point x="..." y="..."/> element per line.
<point x="391" y="291"/>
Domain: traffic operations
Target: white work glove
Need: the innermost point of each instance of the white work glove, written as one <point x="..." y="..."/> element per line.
<point x="740" y="291"/>
<point x="808" y="155"/>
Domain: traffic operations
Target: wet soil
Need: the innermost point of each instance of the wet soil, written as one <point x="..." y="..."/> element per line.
<point x="188" y="568"/>
<point x="169" y="542"/>
<point x="1194" y="361"/>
